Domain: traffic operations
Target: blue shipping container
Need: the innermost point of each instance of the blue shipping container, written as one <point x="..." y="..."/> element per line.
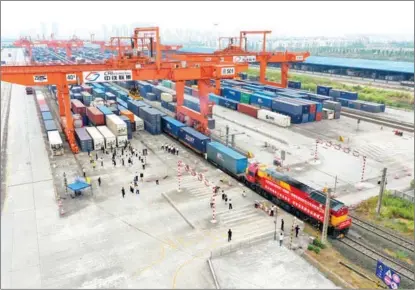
<point x="171" y="126"/>
<point x="323" y="90"/>
<point x="50" y="125"/>
<point x="83" y="139"/>
<point x="47" y="116"/>
<point x="232" y="94"/>
<point x="104" y="110"/>
<point x="294" y="84"/>
<point x="193" y="139"/>
<point x="227" y="103"/>
<point x="261" y="101"/>
<point x="226" y="158"/>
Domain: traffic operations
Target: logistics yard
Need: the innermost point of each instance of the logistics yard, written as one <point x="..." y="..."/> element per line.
<point x="69" y="219"/>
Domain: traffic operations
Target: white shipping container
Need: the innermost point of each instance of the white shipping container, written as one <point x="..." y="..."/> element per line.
<point x="122" y="140"/>
<point x="328" y="114"/>
<point x="139" y="123"/>
<point x="166" y="97"/>
<point x="55" y="143"/>
<point x="274" y="118"/>
<point x="109" y="137"/>
<point x="116" y="125"/>
<point x="97" y="138"/>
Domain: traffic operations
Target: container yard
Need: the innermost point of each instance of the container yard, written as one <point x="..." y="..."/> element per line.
<point x="106" y="158"/>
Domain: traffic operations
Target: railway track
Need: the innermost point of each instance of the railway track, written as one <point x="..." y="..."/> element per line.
<point x="375" y="255"/>
<point x="385" y="234"/>
<point x="400" y="125"/>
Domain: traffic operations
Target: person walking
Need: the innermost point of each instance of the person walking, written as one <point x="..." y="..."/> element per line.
<point x="282" y="224"/>
<point x="281" y="238"/>
<point x="229" y="235"/>
<point x="102" y="161"/>
<point x="177" y="151"/>
<point x="83" y="170"/>
<point x="223" y="195"/>
<point x="122" y="161"/>
<point x="123" y="192"/>
<point x="162" y="147"/>
<point x="131" y="187"/>
<point x="297" y="229"/>
<point x="141" y="176"/>
<point x="157" y="182"/>
<point x="230" y="203"/>
<point x="212" y="200"/>
<point x="226" y="199"/>
<point x="99" y="181"/>
<point x="137" y="190"/>
<point x="102" y="149"/>
<point x="113" y="162"/>
<point x="93" y="164"/>
<point x="144" y="166"/>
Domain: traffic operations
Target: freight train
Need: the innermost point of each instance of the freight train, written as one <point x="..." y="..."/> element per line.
<point x="296" y="197"/>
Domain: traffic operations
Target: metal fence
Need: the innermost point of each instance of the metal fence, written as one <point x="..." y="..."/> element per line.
<point x="408" y="195"/>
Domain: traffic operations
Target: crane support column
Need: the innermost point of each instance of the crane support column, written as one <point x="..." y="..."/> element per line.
<point x="262" y="70"/>
<point x="180" y="92"/>
<point x="284" y="74"/>
<point x="61" y="104"/>
<point x="204" y="90"/>
<point x="217" y="87"/>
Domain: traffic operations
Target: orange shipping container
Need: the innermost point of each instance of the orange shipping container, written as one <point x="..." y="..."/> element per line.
<point x="128" y="114"/>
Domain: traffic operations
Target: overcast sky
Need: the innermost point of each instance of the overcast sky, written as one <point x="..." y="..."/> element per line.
<point x="318" y="18"/>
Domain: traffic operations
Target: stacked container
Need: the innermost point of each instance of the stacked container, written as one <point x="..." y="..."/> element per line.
<point x="77" y="121"/>
<point x="118" y="128"/>
<point x="98" y="93"/>
<point x="151" y="96"/>
<point x="86" y="88"/>
<point x="191" y="103"/>
<point x="128" y="114"/>
<point x="84" y="140"/>
<point x="328" y="114"/>
<point x="288" y="108"/>
<point x="166" y="97"/>
<point x="109" y="137"/>
<point x="105" y="110"/>
<point x="127" y="122"/>
<point x="335" y="106"/>
<point x="110" y="96"/>
<point x="323" y="90"/>
<point x="139" y="123"/>
<point x="97" y="138"/>
<point x="274" y="118"/>
<point x="261" y="101"/>
<point x="248" y="110"/>
<point x="95" y="116"/>
<point x="87" y="98"/>
<point x="152" y="120"/>
<point x="294" y="84"/>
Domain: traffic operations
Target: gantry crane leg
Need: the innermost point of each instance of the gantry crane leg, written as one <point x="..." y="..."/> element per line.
<point x="66" y="109"/>
<point x="284" y="74"/>
<point x="205" y="109"/>
<point x="61" y="105"/>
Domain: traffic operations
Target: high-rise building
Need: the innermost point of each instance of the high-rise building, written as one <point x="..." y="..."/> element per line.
<point x="55" y="29"/>
<point x="43" y="30"/>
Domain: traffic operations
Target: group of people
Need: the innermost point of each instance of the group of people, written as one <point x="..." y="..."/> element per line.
<point x="133" y="185"/>
<point x="225" y="198"/>
<point x="170" y="148"/>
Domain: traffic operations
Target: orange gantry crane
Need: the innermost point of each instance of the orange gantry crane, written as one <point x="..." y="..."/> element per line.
<point x="134" y="67"/>
<point x="237" y="52"/>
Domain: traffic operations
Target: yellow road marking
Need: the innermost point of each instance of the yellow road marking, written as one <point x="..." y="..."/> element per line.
<point x="158" y="261"/>
<point x="213" y="245"/>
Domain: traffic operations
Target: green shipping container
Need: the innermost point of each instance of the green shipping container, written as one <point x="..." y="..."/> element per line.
<point x="245" y="98"/>
<point x="166" y="84"/>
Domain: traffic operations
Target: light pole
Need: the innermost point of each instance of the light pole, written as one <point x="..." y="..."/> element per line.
<point x="275" y="224"/>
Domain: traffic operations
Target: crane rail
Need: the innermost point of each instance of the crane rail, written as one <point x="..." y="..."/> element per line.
<point x="375" y="255"/>
<point x="383" y="233"/>
<point x="364" y="116"/>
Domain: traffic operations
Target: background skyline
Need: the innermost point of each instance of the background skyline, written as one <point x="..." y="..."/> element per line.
<point x="285" y="19"/>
